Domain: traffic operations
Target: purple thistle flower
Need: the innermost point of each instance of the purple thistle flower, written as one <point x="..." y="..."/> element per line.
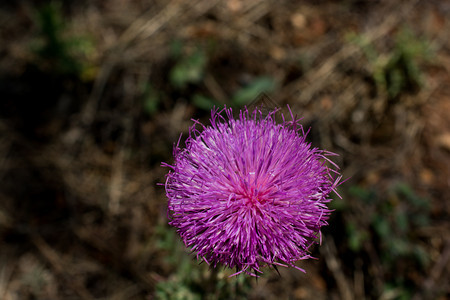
<point x="249" y="192"/>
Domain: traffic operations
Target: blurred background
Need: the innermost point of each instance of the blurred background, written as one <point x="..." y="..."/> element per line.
<point x="93" y="94"/>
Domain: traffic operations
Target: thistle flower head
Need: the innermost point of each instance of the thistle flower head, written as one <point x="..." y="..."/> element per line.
<point x="249" y="192"/>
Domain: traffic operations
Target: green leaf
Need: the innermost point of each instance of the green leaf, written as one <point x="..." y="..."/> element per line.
<point x="151" y="100"/>
<point x="356" y="236"/>
<point x="190" y="69"/>
<point x="203" y="102"/>
<point x="365" y="195"/>
<point x="382" y="226"/>
<point x="402" y="222"/>
<point x="246" y="94"/>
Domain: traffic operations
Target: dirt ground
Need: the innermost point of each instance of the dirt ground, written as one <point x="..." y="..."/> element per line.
<point x="93" y="95"/>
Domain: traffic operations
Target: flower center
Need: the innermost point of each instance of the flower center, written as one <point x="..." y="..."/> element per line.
<point x="252" y="191"/>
